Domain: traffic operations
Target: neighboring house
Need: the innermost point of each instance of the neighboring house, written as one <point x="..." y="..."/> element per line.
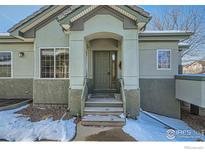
<point x="197" y="67"/>
<point x="61" y="54"/>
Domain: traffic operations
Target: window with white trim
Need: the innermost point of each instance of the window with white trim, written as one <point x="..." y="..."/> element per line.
<point x="5" y="63"/>
<point x="54" y="62"/>
<point x="163" y="59"/>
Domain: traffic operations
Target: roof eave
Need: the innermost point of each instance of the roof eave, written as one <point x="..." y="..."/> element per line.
<point x="140" y="10"/>
<point x="28" y="18"/>
<point x="159" y="34"/>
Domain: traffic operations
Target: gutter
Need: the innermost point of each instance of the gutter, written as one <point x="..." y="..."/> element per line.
<point x="164" y="33"/>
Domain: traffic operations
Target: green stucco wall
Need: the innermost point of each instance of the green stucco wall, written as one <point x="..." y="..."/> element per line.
<point x="22" y="66"/>
<point x="16" y="88"/>
<point x="148" y="59"/>
<point x="75" y="101"/>
<point x="50" y="91"/>
<point x="158" y="96"/>
<point x="132" y="102"/>
<point x="51" y="35"/>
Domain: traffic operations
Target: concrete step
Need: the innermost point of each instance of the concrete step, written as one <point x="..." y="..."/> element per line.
<point x="101" y="95"/>
<point x="103" y="102"/>
<point x="103" y="110"/>
<point x="96" y="120"/>
<point x="105" y="91"/>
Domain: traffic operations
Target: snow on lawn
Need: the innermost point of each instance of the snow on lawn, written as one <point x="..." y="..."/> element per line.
<point x="146" y="128"/>
<point x="15" y="127"/>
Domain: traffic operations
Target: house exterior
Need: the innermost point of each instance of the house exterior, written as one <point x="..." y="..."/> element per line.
<point x="197" y="67"/>
<point x="61" y="54"/>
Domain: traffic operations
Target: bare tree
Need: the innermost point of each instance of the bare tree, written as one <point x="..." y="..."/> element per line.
<point x="182" y="18"/>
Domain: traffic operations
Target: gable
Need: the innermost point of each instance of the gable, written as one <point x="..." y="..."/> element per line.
<point x="101" y="10"/>
<point x="27" y="27"/>
<point x="53" y="34"/>
<point x="130" y="18"/>
<point x="75" y="15"/>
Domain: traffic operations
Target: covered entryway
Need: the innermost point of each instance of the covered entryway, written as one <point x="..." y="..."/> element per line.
<point x="104" y="32"/>
<point x="104" y="70"/>
<point x="104" y="97"/>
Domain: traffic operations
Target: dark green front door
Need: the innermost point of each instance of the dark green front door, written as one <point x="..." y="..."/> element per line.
<point x="104" y="63"/>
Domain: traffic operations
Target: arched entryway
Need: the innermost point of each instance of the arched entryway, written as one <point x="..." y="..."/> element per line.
<point x="103" y="60"/>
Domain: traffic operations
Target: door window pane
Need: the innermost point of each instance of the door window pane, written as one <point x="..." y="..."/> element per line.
<point x="114" y="65"/>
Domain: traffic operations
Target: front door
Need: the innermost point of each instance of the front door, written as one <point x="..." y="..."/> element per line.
<point x="104" y="69"/>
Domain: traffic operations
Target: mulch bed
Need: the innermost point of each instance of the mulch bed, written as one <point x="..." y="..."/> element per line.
<point x="37" y="113"/>
<point x="196" y="122"/>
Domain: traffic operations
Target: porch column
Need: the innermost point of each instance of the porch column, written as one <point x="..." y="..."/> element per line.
<point x="130" y="62"/>
<point x="77" y="73"/>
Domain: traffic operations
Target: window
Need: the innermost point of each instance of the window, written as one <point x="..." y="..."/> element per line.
<point x="163" y="59"/>
<point x="54" y="62"/>
<point x="5" y="63"/>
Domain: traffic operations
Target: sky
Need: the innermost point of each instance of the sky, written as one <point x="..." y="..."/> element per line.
<point x="11" y="14"/>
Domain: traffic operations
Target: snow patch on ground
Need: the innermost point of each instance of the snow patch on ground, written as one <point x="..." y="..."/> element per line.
<point x="146" y="128"/>
<point x="15" y="127"/>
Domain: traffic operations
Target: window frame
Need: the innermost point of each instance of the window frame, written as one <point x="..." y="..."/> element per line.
<point x="54" y="78"/>
<point x="164" y="69"/>
<point x="11" y="52"/>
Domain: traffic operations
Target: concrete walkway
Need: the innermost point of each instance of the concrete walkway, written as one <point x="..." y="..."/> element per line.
<point x="91" y="133"/>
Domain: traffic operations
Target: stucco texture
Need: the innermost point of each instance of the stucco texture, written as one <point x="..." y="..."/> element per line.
<point x="16" y="88"/>
<point x="50" y="91"/>
<point x="75" y="101"/>
<point x="148" y="59"/>
<point x="51" y="35"/>
<point x="22" y="66"/>
<point x="158" y="96"/>
<point x="132" y="103"/>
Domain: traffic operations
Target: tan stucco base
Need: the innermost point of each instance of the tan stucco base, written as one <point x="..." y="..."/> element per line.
<point x="75" y="101"/>
<point x="132" y="103"/>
